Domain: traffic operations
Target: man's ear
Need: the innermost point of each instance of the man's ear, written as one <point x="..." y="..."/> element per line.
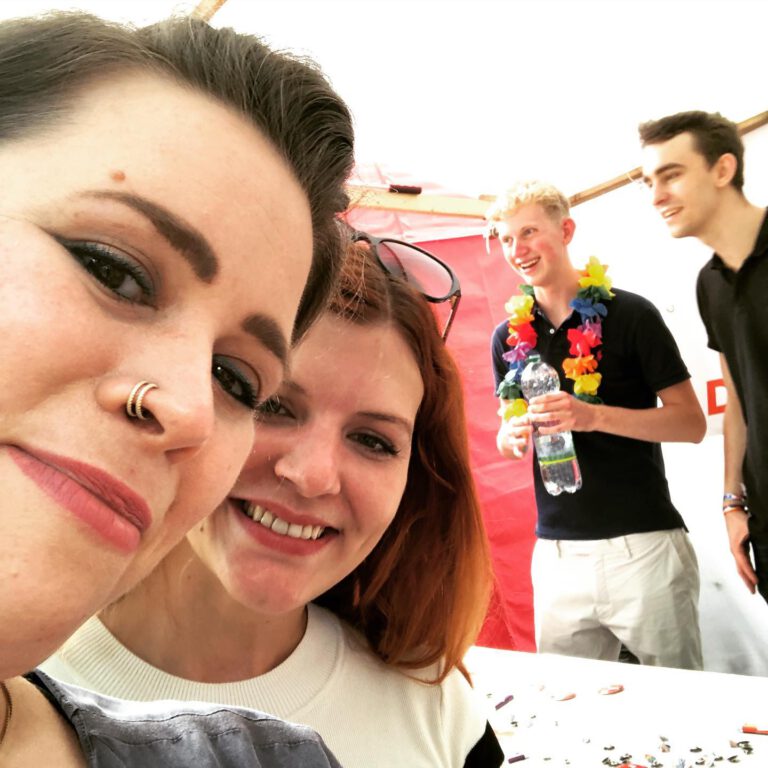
<point x="725" y="169"/>
<point x="569" y="227"/>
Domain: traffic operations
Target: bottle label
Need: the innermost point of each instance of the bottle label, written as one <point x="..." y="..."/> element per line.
<point x="558" y="460"/>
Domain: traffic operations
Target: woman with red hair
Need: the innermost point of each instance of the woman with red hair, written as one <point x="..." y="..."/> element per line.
<point x="347" y="573"/>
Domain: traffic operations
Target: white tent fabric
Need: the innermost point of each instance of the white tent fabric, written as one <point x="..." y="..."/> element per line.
<point x="474" y="93"/>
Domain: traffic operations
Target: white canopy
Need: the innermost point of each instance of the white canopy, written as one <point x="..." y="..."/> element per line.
<point x="475" y="93"/>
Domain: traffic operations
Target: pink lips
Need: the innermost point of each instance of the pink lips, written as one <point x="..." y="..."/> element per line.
<point x="107" y="505"/>
<point x="275" y="541"/>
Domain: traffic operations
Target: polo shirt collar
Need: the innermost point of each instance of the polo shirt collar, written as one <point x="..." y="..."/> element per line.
<point x="539" y="312"/>
<point x="760" y="249"/>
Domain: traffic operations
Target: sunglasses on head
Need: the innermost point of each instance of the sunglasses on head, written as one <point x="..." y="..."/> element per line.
<point x="430" y="276"/>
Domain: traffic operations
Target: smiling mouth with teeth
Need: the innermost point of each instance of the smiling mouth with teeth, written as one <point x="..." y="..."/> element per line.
<point x="525" y="265"/>
<point x="264" y="517"/>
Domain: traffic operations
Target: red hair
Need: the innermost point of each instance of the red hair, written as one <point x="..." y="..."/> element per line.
<point x="420" y="597"/>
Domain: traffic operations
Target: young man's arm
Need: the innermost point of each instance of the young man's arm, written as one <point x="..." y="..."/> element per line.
<point x="735" y="446"/>
<point x="679" y="419"/>
<point x="514" y="436"/>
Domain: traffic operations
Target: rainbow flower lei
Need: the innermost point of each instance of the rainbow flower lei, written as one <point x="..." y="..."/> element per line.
<point x="594" y="291"/>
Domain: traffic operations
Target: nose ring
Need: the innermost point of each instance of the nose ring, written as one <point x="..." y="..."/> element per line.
<point x="136" y="398"/>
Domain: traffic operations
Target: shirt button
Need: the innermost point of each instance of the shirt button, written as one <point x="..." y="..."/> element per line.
<point x="551" y="330"/>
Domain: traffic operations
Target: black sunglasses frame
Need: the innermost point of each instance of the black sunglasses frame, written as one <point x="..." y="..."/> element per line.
<point x="454" y="294"/>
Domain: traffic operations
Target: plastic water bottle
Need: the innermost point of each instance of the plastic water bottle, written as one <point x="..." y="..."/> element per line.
<point x="555" y="453"/>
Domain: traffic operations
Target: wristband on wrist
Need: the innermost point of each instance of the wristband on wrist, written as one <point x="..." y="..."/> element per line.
<point x="728" y="509"/>
<point x="734" y="497"/>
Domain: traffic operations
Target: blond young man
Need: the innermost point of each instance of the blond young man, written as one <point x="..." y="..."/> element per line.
<point x="612" y="564"/>
<point x="694" y="164"/>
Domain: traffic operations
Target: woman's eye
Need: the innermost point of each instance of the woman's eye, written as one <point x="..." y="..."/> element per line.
<point x="118" y="274"/>
<point x="375" y="444"/>
<point x="271" y="407"/>
<point x="234" y="382"/>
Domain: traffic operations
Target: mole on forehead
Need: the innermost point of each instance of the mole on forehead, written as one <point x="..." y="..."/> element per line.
<point x="117" y="175"/>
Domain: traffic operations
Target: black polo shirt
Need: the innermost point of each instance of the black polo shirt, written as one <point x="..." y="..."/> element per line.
<point x="734" y="308"/>
<point x="624" y="488"/>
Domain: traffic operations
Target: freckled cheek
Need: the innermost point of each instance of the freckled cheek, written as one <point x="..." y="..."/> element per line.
<point x="373" y="511"/>
<point x="46" y="339"/>
<point x="46" y="292"/>
<point x="210" y="477"/>
<point x="391" y="495"/>
<point x="235" y="440"/>
<point x="181" y="518"/>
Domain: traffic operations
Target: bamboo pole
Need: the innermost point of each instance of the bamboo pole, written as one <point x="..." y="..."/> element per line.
<point x="750" y="124"/>
<point x="206" y="8"/>
<point x="373" y="197"/>
<point x="444" y="205"/>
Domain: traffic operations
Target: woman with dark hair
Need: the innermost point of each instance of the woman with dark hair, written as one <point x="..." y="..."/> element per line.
<point x="347" y="574"/>
<point x="167" y="205"/>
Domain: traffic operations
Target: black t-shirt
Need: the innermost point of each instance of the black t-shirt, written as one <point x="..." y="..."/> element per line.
<point x="734" y="308"/>
<point x="624" y="488"/>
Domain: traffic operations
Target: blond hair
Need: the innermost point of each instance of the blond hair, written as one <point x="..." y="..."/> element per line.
<point x="549" y="197"/>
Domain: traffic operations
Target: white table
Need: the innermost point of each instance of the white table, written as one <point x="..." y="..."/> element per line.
<point x="703" y="710"/>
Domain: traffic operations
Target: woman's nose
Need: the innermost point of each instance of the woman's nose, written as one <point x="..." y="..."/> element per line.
<point x="520" y="249"/>
<point x="311" y="464"/>
<point x="177" y="410"/>
<point x="185" y="414"/>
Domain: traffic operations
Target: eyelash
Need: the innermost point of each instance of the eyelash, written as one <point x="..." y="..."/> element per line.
<point x="271" y="407"/>
<point x="95" y="257"/>
<point x="373" y="444"/>
<point x="379" y="444"/>
<point x="223" y="369"/>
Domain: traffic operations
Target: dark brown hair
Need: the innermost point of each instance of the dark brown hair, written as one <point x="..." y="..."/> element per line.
<point x="45" y="61"/>
<point x="420" y="597"/>
<point x="713" y="137"/>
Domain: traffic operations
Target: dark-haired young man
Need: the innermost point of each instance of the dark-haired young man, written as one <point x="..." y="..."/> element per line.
<point x="694" y="164"/>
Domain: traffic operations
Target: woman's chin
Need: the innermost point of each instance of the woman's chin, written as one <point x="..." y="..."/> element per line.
<point x="275" y="596"/>
<point x="28" y="642"/>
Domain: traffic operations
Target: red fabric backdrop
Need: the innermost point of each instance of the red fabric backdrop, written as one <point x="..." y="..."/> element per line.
<point x="505" y="487"/>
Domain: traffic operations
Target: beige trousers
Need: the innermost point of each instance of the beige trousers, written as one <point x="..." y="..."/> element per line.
<point x="641" y="590"/>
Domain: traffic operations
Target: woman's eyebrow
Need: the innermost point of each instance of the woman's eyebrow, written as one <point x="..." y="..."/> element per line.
<point x="267" y="331"/>
<point x="181" y="236"/>
<point x="197" y="251"/>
